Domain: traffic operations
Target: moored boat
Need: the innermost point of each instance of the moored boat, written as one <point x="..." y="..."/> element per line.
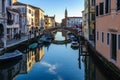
<point x="75" y="44"/>
<point x="33" y="46"/>
<point x="9" y="57"/>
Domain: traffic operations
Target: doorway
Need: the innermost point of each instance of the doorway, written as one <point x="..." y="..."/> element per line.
<point x="113" y="46"/>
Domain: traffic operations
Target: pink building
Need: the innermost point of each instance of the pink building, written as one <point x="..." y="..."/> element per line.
<point x="108" y="30"/>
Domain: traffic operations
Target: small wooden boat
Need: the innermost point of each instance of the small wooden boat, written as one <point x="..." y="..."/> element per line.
<point x="9" y="57"/>
<point x="33" y="46"/>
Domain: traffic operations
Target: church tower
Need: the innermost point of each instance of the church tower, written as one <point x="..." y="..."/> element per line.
<point x="66" y="15"/>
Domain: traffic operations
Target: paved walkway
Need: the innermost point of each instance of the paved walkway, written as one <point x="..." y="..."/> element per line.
<point x="15" y="41"/>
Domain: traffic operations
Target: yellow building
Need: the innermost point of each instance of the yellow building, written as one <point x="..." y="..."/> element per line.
<point x="49" y="22"/>
<point x="39" y="17"/>
<point x="13" y="1"/>
<point x="89" y="14"/>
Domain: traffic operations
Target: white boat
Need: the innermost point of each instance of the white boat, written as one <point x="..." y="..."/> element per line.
<point x="13" y="56"/>
<point x="75" y="44"/>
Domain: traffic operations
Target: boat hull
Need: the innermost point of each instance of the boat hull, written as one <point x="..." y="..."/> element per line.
<point x="10" y="60"/>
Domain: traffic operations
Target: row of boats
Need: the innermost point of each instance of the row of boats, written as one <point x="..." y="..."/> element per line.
<point x="74" y="43"/>
<point x="12" y="56"/>
<point x="17" y="55"/>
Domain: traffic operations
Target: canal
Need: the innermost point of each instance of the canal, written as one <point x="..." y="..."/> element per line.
<point x="52" y="62"/>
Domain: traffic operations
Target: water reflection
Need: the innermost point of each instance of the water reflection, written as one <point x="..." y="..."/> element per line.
<point x="30" y="58"/>
<point x="23" y="66"/>
<point x="92" y="71"/>
<point x="8" y="72"/>
<point x="60" y="62"/>
<point x="61" y="35"/>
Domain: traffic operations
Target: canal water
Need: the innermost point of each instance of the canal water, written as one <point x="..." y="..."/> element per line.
<point x="52" y="62"/>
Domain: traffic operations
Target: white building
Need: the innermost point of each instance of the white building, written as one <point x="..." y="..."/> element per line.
<point x="12" y="23"/>
<point x="3" y="17"/>
<point x="27" y="16"/>
<point x="22" y="11"/>
<point x="74" y="22"/>
<point x="9" y="21"/>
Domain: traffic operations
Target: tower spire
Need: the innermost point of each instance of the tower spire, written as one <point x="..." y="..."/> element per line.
<point x="66" y="14"/>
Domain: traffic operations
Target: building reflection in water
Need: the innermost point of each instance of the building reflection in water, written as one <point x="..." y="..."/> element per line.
<point x="92" y="71"/>
<point x="30" y="58"/>
<point x="9" y="71"/>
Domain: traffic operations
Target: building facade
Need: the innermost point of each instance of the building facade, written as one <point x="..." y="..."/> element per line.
<point x="27" y="17"/>
<point x="89" y="13"/>
<point x="31" y="17"/>
<point x="12" y="23"/>
<point x="49" y="22"/>
<point x="9" y="22"/>
<point x="74" y="22"/>
<point x="83" y="23"/>
<point x="3" y="18"/>
<point x="108" y="30"/>
<point x="39" y="17"/>
<point x="14" y="1"/>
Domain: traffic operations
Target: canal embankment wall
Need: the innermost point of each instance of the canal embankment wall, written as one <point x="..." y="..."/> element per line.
<point x="107" y="67"/>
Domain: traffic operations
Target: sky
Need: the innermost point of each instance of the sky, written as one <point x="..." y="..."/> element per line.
<point x="57" y="7"/>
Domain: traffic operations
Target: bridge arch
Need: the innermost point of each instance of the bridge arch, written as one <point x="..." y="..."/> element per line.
<point x="74" y="31"/>
<point x="69" y="30"/>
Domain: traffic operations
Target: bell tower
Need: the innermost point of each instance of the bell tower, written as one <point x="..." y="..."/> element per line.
<point x="66" y="13"/>
<point x="66" y="16"/>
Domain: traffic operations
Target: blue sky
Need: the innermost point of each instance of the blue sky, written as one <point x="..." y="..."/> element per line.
<point x="57" y="7"/>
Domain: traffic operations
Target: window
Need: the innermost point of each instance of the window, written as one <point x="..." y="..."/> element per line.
<point x="102" y="37"/>
<point x="119" y="42"/>
<point x="23" y="10"/>
<point x="107" y="6"/>
<point x="118" y="4"/>
<point x="93" y="2"/>
<point x="97" y="35"/>
<point x="29" y="11"/>
<point x="97" y="10"/>
<point x="92" y="16"/>
<point x="101" y="8"/>
<point x="10" y="3"/>
<point x="108" y="38"/>
<point x="3" y="6"/>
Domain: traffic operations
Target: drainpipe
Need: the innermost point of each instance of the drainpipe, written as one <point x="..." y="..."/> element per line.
<point x="95" y="27"/>
<point x="88" y="19"/>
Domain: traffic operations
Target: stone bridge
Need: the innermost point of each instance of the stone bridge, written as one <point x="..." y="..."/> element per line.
<point x="74" y="31"/>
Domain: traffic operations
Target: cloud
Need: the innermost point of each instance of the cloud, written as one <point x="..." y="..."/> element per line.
<point x="51" y="68"/>
<point x="59" y="78"/>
